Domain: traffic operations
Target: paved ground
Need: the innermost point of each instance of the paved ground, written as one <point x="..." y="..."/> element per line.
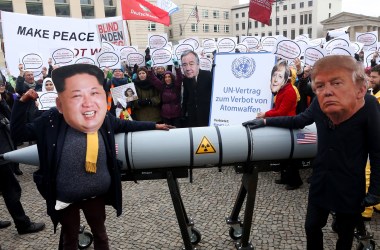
<point x="148" y="220"/>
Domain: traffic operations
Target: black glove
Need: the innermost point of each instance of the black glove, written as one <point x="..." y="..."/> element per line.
<point x="256" y="123"/>
<point x="144" y="102"/>
<point x="370" y="200"/>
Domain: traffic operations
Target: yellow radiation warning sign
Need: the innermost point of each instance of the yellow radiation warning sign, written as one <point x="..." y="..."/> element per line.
<point x="205" y="147"/>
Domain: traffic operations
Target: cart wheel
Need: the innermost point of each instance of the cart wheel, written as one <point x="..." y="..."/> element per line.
<point x="236" y="234"/>
<point x="371" y="246"/>
<point x="85" y="240"/>
<point x="195" y="236"/>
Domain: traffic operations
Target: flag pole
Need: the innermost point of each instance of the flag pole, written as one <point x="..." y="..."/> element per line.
<point x="183" y="28"/>
<point x="129" y="34"/>
<point x="248" y="24"/>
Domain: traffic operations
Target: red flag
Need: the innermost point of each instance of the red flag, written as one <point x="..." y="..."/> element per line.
<point x="143" y="10"/>
<point x="260" y="10"/>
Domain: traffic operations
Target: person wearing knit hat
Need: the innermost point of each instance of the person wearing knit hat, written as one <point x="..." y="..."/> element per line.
<point x="118" y="79"/>
<point x="159" y="72"/>
<point x="147" y="107"/>
<point x="170" y="91"/>
<point x="76" y="143"/>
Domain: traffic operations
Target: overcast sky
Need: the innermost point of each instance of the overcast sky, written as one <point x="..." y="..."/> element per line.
<point x="365" y="7"/>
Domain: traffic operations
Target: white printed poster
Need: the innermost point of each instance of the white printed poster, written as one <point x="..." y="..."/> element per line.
<point x="241" y="87"/>
<point x="157" y="41"/>
<point x="227" y="44"/>
<point x="112" y="32"/>
<point x="369" y="39"/>
<point x="124" y="93"/>
<point x="288" y="49"/>
<point x="46" y="100"/>
<point x="40" y="34"/>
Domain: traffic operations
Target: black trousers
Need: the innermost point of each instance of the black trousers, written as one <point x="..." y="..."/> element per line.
<point x="316" y="219"/>
<point x="11" y="190"/>
<point x="94" y="211"/>
<point x="290" y="172"/>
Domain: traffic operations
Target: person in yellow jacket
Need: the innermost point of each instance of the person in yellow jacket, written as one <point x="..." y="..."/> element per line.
<point x="374" y="82"/>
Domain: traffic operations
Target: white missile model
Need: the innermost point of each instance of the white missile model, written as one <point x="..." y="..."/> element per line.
<point x="201" y="147"/>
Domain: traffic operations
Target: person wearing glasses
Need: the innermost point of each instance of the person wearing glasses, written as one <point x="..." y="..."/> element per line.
<point x="197" y="88"/>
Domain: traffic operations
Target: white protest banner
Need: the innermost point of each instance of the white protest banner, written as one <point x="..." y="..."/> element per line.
<point x="267" y="43"/>
<point x="112" y="32"/>
<point x="226" y="44"/>
<point x="372" y="49"/>
<point x="108" y="47"/>
<point x="342" y="41"/>
<point x="241" y="87"/>
<point x="369" y="39"/>
<point x="31" y="61"/>
<point x="302" y="39"/>
<point x="46" y="100"/>
<point x="287" y="49"/>
<point x="345" y="51"/>
<point x="108" y="59"/>
<point x="38" y="34"/>
<point x="205" y="63"/>
<point x="313" y="54"/>
<point x="338" y="32"/>
<point x="209" y="45"/>
<point x="62" y="56"/>
<point x="86" y="60"/>
<point x="170" y="44"/>
<point x="179" y="49"/>
<point x="161" y="57"/>
<point x="121" y="92"/>
<point x="253" y="42"/>
<point x="136" y="58"/>
<point x="357" y="47"/>
<point x="193" y="41"/>
<point x="126" y="50"/>
<point x="242" y="47"/>
<point x="200" y="51"/>
<point x="157" y="41"/>
<point x="317" y="42"/>
<point x="368" y="56"/>
<point x="168" y="6"/>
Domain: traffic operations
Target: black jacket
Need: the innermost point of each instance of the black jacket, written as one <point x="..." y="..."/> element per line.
<point x="338" y="179"/>
<point x="197" y="99"/>
<point x="49" y="130"/>
<point x="6" y="143"/>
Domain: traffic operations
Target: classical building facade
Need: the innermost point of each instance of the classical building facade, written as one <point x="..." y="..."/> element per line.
<point x="289" y="18"/>
<point x="357" y="23"/>
<point x="217" y="18"/>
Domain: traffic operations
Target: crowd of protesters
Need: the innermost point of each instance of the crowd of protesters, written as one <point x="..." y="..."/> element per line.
<point x="178" y="96"/>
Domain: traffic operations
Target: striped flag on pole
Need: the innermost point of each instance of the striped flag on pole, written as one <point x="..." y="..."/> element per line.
<point x="195" y="13"/>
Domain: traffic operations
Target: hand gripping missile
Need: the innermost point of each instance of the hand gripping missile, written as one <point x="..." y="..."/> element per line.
<point x="200" y="147"/>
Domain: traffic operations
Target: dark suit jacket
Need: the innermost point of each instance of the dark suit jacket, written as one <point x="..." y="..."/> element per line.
<point x="338" y="179"/>
<point x="197" y="99"/>
<point x="49" y="130"/>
